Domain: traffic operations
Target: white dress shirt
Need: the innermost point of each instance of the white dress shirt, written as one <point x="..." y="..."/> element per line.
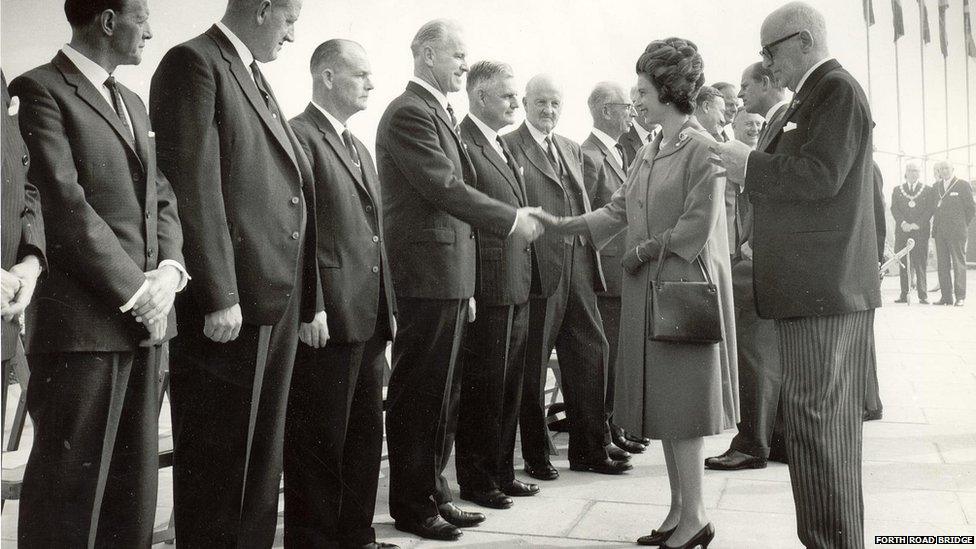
<point x="339" y="126"/>
<point x="538" y="135"/>
<point x="611" y="144"/>
<point x="438" y="95"/>
<point x="774" y="108"/>
<point x="641" y="132"/>
<point x="97" y="75"/>
<point x="490" y="134"/>
<point x="806" y="75"/>
<point x="242" y="50"/>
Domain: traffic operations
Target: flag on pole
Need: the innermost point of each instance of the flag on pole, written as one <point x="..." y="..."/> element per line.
<point x="968" y="26"/>
<point x="868" y="12"/>
<point x="897" y="20"/>
<point x="943" y="39"/>
<point x="923" y="19"/>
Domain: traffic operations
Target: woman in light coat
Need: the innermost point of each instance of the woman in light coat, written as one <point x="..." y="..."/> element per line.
<point x="674" y="198"/>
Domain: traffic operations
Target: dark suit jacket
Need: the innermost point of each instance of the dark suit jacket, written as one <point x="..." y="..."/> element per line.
<point x="430" y="200"/>
<point x="111" y="215"/>
<point x="955" y="212"/>
<point x="631" y="142"/>
<point x="23" y="226"/>
<point x="351" y="254"/>
<point x="813" y="189"/>
<point x="921" y="214"/>
<point x="504" y="264"/>
<point x="240" y="177"/>
<point x="602" y="177"/>
<point x="543" y="189"/>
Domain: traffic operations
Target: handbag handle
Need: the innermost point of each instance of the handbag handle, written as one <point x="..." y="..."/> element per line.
<point x="660" y="263"/>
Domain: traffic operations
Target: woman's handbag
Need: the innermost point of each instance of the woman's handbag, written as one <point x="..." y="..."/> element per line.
<point x="682" y="311"/>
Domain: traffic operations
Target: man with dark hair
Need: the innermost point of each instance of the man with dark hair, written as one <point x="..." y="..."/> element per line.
<point x="494" y="348"/>
<point x="604" y="170"/>
<point x="334" y="429"/>
<point x="431" y="210"/>
<point x="710" y="111"/>
<point x="106" y="304"/>
<point x="247" y="203"/>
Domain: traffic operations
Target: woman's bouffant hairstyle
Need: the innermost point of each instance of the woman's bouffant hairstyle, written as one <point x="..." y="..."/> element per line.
<point x="676" y="69"/>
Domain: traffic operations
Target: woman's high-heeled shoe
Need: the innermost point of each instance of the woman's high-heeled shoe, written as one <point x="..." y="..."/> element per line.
<point x="701" y="539"/>
<point x="655" y="538"/>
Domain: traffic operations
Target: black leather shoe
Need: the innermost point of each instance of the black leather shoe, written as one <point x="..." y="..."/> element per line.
<point x="518" y="489"/>
<point x="604" y="466"/>
<point x="542" y="472"/>
<point x="701" y="539"/>
<point x="378" y="545"/>
<point x="923" y="301"/>
<point x="429" y="528"/>
<point x="617" y="454"/>
<point x="494" y="499"/>
<point x="617" y="431"/>
<point x="902" y="300"/>
<point x="734" y="460"/>
<point x="459" y="518"/>
<point x="628" y="445"/>
<point x="872" y="415"/>
<point x="655" y="538"/>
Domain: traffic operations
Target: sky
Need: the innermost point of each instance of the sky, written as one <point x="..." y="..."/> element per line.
<point x="580" y="42"/>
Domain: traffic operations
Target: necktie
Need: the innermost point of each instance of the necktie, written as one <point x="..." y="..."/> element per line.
<point x="501" y="147"/>
<point x="553" y="156"/>
<point x="620" y="153"/>
<point x="450" y="112"/>
<point x="351" y="147"/>
<point x="262" y="85"/>
<point x="117" y="103"/>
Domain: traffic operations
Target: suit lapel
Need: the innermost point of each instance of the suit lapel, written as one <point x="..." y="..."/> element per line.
<point x="87" y="92"/>
<point x="371" y="183"/>
<point x="608" y="156"/>
<point x="573" y="168"/>
<point x="773" y="128"/>
<point x="140" y="127"/>
<point x="334" y="141"/>
<point x="536" y="156"/>
<point x="443" y="117"/>
<point x="489" y="152"/>
<point x="245" y="80"/>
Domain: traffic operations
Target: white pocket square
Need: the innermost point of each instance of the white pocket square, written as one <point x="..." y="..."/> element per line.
<point x="14" y="107"/>
<point x="152" y="133"/>
<point x="790" y="126"/>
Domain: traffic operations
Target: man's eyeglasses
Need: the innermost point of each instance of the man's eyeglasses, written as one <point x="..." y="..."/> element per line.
<point x="767" y="51"/>
<point x="627" y="106"/>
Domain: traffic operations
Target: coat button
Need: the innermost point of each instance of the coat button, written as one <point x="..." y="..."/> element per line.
<point x="376" y="269"/>
<point x="528" y="249"/>
<point x="472" y="235"/>
<point x="147" y="215"/>
<point x="369" y="208"/>
<point x="25" y="159"/>
<point x="149" y="253"/>
<point x="376" y="239"/>
<point x="294" y="200"/>
<point x="294" y="235"/>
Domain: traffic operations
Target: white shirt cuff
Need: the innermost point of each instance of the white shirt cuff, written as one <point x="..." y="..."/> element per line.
<point x="184" y="278"/>
<point x="514" y="224"/>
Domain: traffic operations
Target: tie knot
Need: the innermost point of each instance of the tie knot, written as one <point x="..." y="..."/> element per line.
<point x="110" y="82"/>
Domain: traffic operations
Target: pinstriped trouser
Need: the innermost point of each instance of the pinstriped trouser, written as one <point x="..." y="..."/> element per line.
<point x="825" y="364"/>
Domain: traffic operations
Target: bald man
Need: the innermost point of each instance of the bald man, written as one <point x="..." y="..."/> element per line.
<point x="604" y="170"/>
<point x="953" y="214"/>
<point x="247" y="204"/>
<point x="334" y="427"/>
<point x="563" y="310"/>
<point x="815" y="256"/>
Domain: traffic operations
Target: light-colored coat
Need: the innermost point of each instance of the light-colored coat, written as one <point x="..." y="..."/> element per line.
<point x="672" y="390"/>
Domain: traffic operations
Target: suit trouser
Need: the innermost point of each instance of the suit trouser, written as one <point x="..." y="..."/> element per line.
<point x="491" y="395"/>
<point x="609" y="306"/>
<point x="334" y="442"/>
<point x="223" y="496"/>
<point x="760" y="371"/>
<point x="919" y="259"/>
<point x="951" y="261"/>
<point x="570" y="322"/>
<point x="91" y="476"/>
<point x="422" y="403"/>
<point x="825" y="361"/>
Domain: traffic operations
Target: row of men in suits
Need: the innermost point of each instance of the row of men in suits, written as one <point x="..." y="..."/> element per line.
<point x="943" y="211"/>
<point x="281" y="225"/>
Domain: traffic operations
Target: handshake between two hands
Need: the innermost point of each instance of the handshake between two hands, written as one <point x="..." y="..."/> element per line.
<point x="530" y="223"/>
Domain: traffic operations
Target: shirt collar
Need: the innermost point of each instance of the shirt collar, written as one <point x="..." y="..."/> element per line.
<point x="641" y="132"/>
<point x="440" y="97"/>
<point x="803" y="80"/>
<point x="774" y="108"/>
<point x="339" y="126"/>
<point x="537" y="134"/>
<point x="91" y="70"/>
<point x="610" y="142"/>
<point x="491" y="134"/>
<point x="242" y="51"/>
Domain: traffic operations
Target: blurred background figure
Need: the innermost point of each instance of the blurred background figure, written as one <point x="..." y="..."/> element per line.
<point x="912" y="206"/>
<point x="953" y="214"/>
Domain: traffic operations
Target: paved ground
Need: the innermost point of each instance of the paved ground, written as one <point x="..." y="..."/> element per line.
<point x="919" y="462"/>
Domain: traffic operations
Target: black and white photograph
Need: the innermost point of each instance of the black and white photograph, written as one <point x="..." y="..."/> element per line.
<point x="376" y="274"/>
